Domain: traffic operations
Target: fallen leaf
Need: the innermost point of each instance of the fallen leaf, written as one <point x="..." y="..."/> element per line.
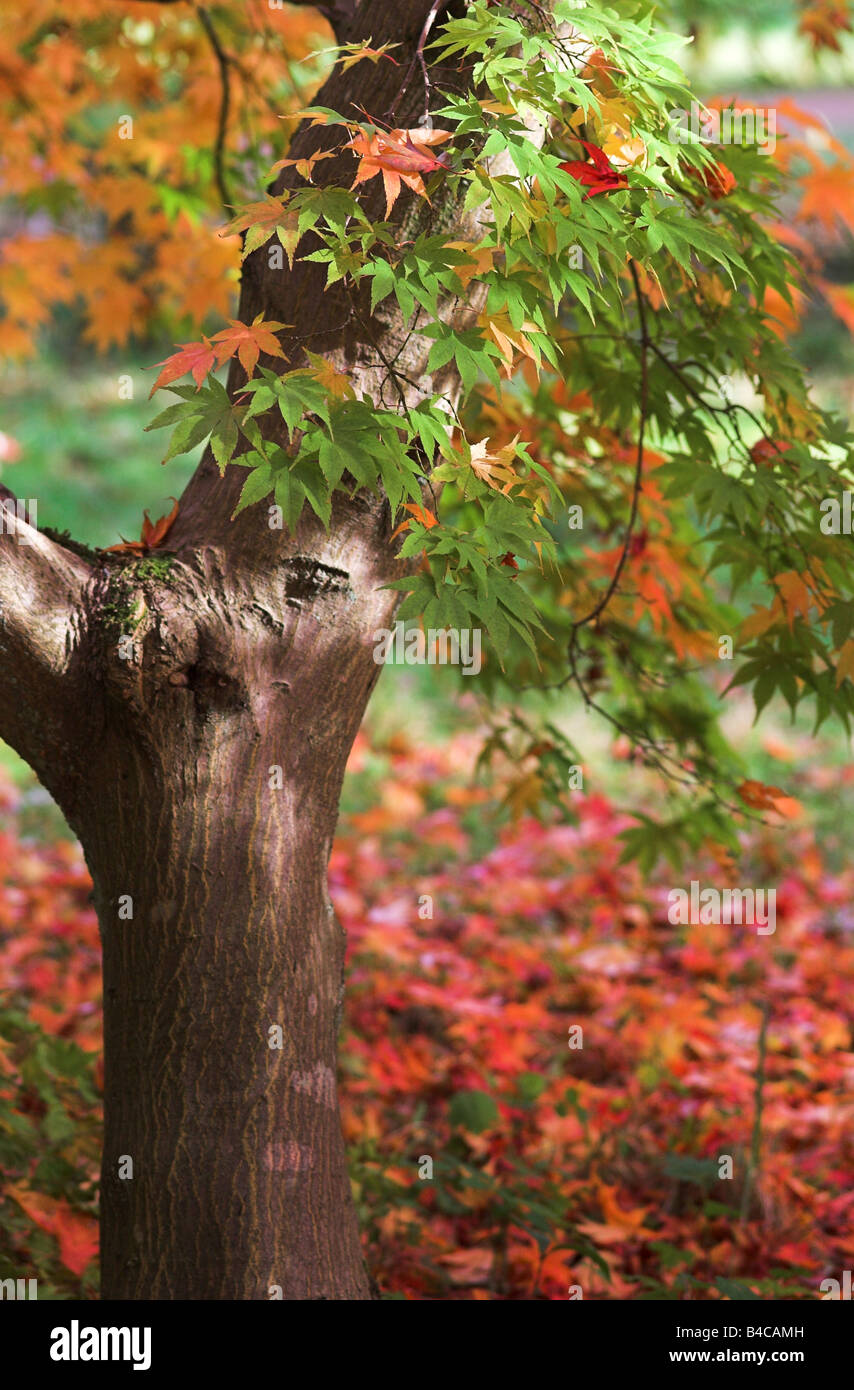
<point x="153" y="533"/>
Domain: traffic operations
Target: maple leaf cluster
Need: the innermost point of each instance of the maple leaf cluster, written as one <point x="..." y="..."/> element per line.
<point x="148" y="248"/>
<point x="245" y="341"/>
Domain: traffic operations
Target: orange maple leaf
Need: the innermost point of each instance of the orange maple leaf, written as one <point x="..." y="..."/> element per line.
<point x="400" y="156"/>
<point x="469" y="1266"/>
<point x="823" y="23"/>
<point x="248" y="341"/>
<point x="479" y="260"/>
<point x="718" y="179"/>
<point x="841" y="300"/>
<point x="598" y="72"/>
<point x="153" y="533"/>
<point x="422" y="515"/>
<point x="511" y="340"/>
<point x="615" y="1215"/>
<point x="794" y="595"/>
<point x="759" y="795"/>
<point x="196" y="358"/>
<point x="260" y="220"/>
<point x="828" y="196"/>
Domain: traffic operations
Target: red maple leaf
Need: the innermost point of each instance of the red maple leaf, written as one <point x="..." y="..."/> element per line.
<point x="767" y="451"/>
<point x="196" y="358"/>
<point x="597" y="173"/>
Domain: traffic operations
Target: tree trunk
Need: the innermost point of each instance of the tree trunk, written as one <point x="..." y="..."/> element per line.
<point x="192" y="714"/>
<point x="214" y="799"/>
<point x="222" y="699"/>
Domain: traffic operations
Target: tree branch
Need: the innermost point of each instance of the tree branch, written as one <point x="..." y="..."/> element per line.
<point x="418" y="57"/>
<point x="42" y="607"/>
<point x="638" y="477"/>
<point x="225" y="102"/>
<point x="299" y="297"/>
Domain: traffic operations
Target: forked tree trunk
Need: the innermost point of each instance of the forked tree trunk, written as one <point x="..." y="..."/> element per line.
<point x="192" y="716"/>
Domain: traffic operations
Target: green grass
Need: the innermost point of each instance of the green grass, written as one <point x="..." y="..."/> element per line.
<point x="84" y="455"/>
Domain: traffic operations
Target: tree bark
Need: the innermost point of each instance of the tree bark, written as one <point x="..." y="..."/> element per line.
<point x="214" y="806"/>
<point x="192" y="715"/>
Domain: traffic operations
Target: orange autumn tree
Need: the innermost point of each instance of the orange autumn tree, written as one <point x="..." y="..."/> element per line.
<point x="127" y="130"/>
<point x="505" y="358"/>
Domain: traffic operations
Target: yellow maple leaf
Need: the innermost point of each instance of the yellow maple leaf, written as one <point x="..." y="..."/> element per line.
<point x="315" y="116"/>
<point x="622" y="150"/>
<point x="337" y="383"/>
<point x="479" y="261"/>
<point x="612" y="122"/>
<point x="511" y="340"/>
<point x="845" y="662"/>
<point x="496" y="108"/>
<point x="495" y="469"/>
<point x="794" y="595"/>
<point x="305" y="166"/>
<point x="524" y="795"/>
<point x="353" y="53"/>
<point x="712" y="289"/>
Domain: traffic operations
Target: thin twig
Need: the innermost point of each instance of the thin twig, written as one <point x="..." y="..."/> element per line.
<point x="393" y="376"/>
<point x="418" y="57"/>
<point x="638" y="478"/>
<point x="224" y="105"/>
